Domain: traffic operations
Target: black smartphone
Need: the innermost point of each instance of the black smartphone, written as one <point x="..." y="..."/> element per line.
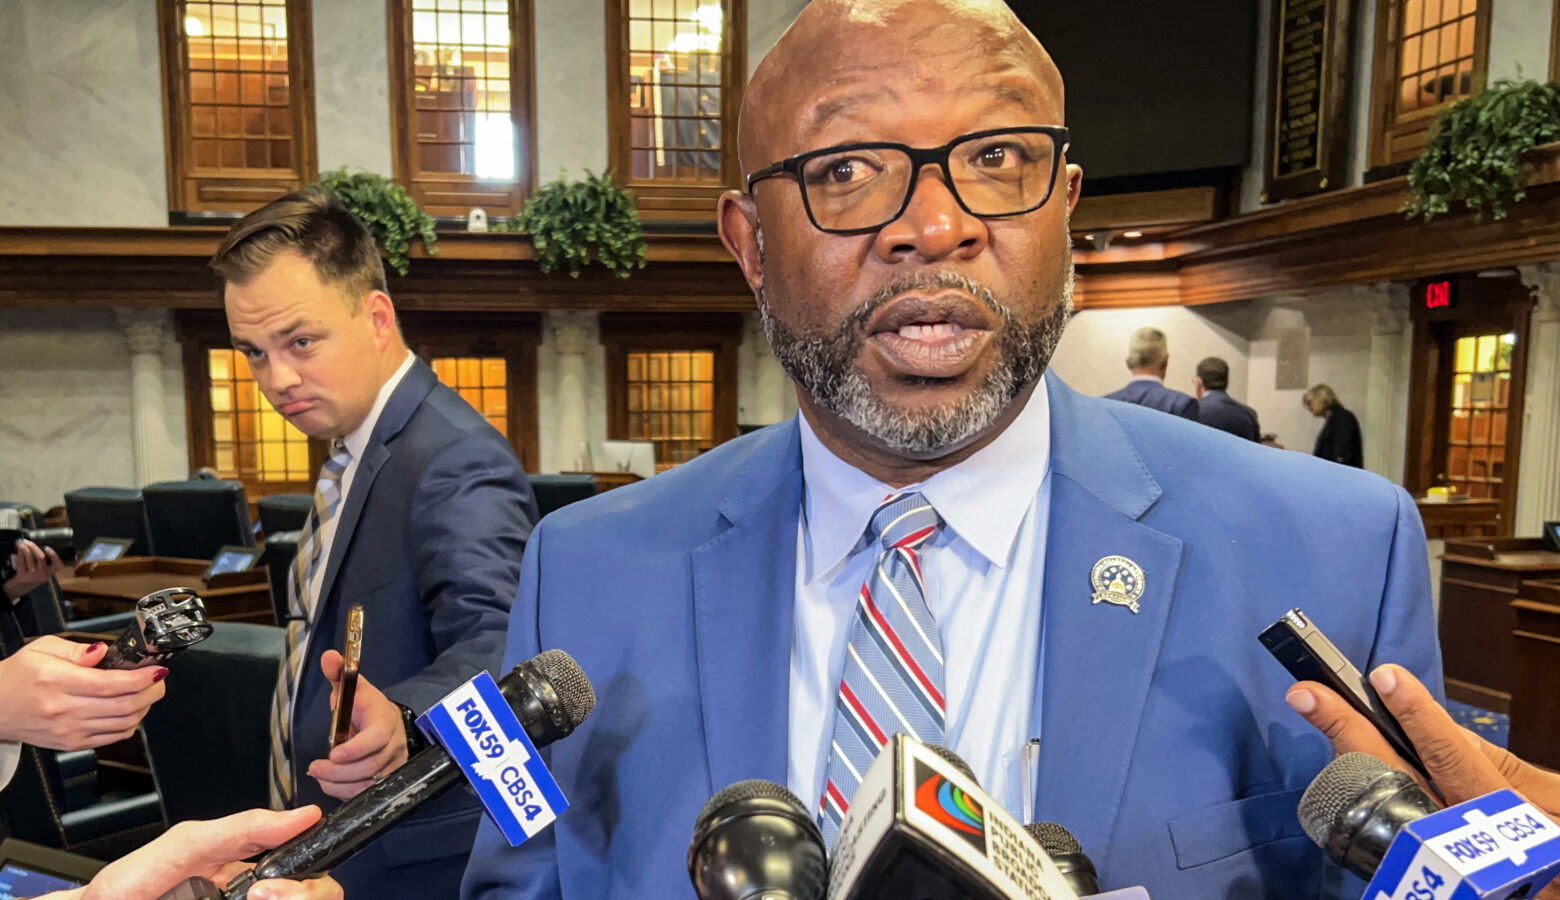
<point x="1300" y="647"/>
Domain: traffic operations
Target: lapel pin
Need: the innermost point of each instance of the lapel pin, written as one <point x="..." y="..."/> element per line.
<point x="1117" y="580"/>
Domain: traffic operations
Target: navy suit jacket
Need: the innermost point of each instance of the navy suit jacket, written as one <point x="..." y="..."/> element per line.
<point x="1155" y="395"/>
<point x="429" y="541"/>
<point x="1167" y="747"/>
<point x="1225" y="413"/>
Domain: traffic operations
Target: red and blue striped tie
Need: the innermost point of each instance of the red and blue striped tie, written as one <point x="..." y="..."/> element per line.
<point x="893" y="678"/>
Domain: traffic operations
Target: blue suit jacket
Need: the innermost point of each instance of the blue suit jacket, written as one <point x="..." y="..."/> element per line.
<point x="1225" y="413"/>
<point x="429" y="541"/>
<point x="1154" y="395"/>
<point x="1167" y="747"/>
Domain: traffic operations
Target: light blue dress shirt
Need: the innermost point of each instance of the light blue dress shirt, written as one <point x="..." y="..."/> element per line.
<point x="983" y="571"/>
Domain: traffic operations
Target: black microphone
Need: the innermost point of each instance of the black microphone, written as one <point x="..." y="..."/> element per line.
<point x="754" y="840"/>
<point x="549" y="693"/>
<point x="1064" y="850"/>
<point x="1356" y="806"/>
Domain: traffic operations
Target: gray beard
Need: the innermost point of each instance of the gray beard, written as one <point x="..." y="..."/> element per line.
<point x="825" y="367"/>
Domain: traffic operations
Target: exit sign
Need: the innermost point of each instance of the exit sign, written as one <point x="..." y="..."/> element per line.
<point x="1438" y="294"/>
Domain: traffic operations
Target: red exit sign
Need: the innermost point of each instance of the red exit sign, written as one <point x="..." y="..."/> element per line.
<point x="1438" y="294"/>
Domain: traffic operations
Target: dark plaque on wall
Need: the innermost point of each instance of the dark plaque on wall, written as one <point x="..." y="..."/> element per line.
<point x="1307" y="110"/>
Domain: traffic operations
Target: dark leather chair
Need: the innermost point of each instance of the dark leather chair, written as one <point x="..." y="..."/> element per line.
<point x="280" y="550"/>
<point x="54" y="800"/>
<point x="209" y="739"/>
<point x="114" y="512"/>
<point x="283" y="512"/>
<point x="557" y="491"/>
<point x="195" y="519"/>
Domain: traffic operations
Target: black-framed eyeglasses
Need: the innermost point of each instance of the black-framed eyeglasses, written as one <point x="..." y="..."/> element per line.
<point x="857" y="188"/>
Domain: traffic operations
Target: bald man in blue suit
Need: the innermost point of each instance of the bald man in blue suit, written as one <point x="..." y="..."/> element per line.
<point x="1095" y="574"/>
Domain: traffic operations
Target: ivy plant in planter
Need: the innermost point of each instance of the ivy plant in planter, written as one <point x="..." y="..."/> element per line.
<point x="1476" y="149"/>
<point x="570" y="221"/>
<point x="392" y="217"/>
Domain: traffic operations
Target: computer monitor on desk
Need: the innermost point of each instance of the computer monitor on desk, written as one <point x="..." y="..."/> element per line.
<point x="637" y="457"/>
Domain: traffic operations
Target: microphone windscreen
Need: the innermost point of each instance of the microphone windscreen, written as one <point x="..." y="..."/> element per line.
<point x="954" y="760"/>
<point x="569" y="681"/>
<point x="1335" y="788"/>
<point x="751" y="789"/>
<point x="1053" y="838"/>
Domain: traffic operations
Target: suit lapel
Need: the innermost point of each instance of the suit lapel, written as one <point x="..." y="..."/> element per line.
<point x="743" y="596"/>
<point x="1099" y="658"/>
<point x="404" y="400"/>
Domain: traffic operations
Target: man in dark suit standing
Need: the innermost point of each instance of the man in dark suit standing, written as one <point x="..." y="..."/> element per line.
<point x="1219" y="409"/>
<point x="1148" y="358"/>
<point x="1340" y="439"/>
<point x="421" y="514"/>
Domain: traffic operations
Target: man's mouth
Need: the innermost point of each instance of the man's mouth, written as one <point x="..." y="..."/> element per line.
<point x="938" y="336"/>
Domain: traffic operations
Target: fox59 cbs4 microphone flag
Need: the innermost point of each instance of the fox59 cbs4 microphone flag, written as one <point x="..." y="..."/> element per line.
<point x="913" y="805"/>
<point x="482" y="734"/>
<point x="1489" y="847"/>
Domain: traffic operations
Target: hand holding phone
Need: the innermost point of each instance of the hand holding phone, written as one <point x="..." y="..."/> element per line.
<point x="1301" y="648"/>
<point x="352" y="656"/>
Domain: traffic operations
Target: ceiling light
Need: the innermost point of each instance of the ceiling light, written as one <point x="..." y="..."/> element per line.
<point x="1132" y="234"/>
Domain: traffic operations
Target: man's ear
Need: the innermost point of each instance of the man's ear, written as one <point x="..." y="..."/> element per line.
<point x="737" y="218"/>
<point x="1074" y="186"/>
<point x="381" y="314"/>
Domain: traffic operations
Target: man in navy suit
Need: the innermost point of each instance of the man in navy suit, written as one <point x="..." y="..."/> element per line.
<point x="947" y="541"/>
<point x="1148" y="359"/>
<point x="1217" y="408"/>
<point x="421" y="514"/>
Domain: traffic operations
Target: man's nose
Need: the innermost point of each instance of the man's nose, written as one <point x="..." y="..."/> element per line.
<point x="933" y="226"/>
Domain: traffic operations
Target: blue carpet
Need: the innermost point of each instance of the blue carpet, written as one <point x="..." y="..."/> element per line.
<point x="1493" y="727"/>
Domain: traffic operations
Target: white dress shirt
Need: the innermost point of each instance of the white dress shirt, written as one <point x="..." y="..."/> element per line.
<point x="357" y="445"/>
<point x="984" y="573"/>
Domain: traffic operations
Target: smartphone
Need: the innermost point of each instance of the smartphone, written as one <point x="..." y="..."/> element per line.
<point x="1300" y="646"/>
<point x="352" y="657"/>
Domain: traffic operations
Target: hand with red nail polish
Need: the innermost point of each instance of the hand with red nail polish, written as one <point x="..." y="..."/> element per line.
<point x="51" y="696"/>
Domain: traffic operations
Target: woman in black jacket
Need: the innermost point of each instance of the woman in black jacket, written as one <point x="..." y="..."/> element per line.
<point x="1340" y="438"/>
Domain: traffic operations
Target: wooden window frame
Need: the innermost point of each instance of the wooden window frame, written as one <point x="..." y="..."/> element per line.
<point x="442" y="193"/>
<point x="1479" y="303"/>
<point x="192" y="192"/>
<point x="1395" y="140"/>
<point x="720" y="333"/>
<point x="664" y="199"/>
<point x="513" y="336"/>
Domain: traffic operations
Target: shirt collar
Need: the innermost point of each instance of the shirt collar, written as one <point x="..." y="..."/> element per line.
<point x="983" y="499"/>
<point x="357" y="441"/>
<point x="1154" y="378"/>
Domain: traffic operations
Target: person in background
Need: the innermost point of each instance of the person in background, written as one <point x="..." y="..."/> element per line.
<point x="1217" y="408"/>
<point x="421" y="514"/>
<point x="1339" y="439"/>
<point x="1148" y="359"/>
<point x="210" y="850"/>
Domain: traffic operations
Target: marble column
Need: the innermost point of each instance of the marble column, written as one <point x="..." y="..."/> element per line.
<point x="571" y="336"/>
<point x="145" y="330"/>
<point x="1538" y="481"/>
<point x="1386" y="397"/>
<point x="770" y="386"/>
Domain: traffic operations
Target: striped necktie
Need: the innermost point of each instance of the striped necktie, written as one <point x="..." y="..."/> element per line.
<point x="893" y="678"/>
<point x="300" y="614"/>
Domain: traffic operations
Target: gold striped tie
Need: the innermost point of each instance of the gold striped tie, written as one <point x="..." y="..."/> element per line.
<point x="300" y="613"/>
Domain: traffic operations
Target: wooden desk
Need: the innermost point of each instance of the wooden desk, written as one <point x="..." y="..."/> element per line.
<point x="606" y="481"/>
<point x="1479" y="579"/>
<point x="100" y="589"/>
<point x="1535" y="660"/>
<point x="1460" y="518"/>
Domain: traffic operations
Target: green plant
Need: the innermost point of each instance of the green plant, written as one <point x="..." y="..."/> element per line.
<point x="567" y="221"/>
<point x="1476" y="148"/>
<point x="392" y="217"/>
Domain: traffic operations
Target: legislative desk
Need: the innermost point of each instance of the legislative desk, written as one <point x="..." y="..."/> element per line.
<point x="103" y="588"/>
<point x="1535" y="674"/>
<point x="1479" y="580"/>
<point x="606" y="481"/>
